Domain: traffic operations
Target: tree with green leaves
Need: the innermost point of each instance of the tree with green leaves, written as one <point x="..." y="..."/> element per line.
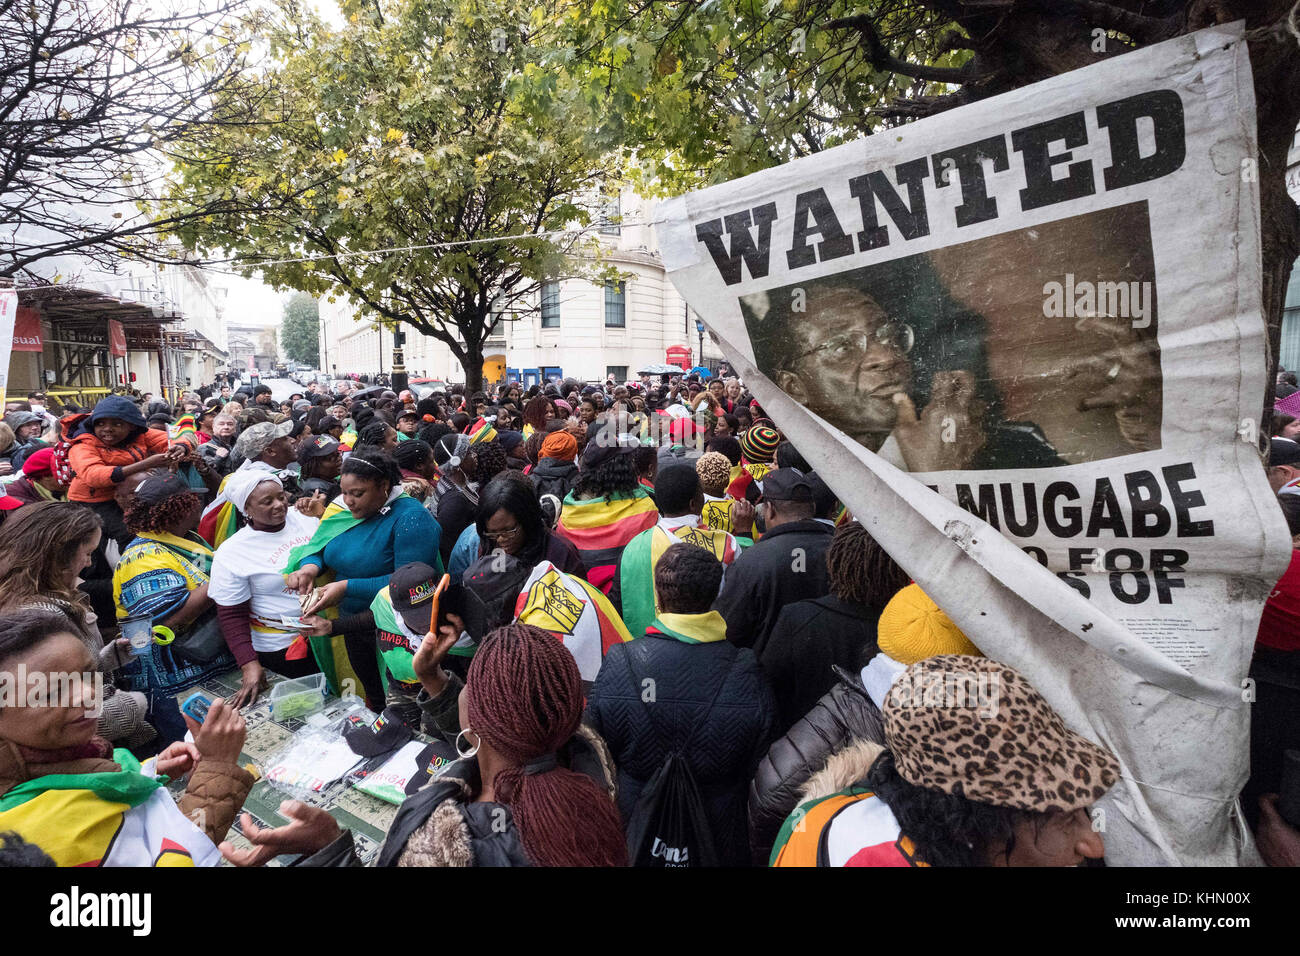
<point x="776" y="78"/>
<point x="420" y="161"/>
<point x="300" y="329"/>
<point x="780" y="79"/>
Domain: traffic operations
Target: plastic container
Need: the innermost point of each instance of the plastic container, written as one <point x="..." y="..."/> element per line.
<point x="297" y="698"/>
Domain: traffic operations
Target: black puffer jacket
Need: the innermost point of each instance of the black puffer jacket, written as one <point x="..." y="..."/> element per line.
<point x="722" y="748"/>
<point x="808" y="639"/>
<point x="844" y="713"/>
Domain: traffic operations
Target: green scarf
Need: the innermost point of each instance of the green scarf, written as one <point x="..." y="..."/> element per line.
<point x="336" y="520"/>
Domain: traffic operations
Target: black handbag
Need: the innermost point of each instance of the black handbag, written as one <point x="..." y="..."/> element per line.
<point x="202" y="642"/>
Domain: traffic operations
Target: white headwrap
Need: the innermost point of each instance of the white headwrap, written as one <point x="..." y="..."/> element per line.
<point x="879" y="676"/>
<point x="242" y="483"/>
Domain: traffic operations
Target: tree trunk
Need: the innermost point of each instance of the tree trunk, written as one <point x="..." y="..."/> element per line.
<point x="473" y="360"/>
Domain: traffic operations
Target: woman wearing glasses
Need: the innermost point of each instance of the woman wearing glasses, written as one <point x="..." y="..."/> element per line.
<point x="510" y="518"/>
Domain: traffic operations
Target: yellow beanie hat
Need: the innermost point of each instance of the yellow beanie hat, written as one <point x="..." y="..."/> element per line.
<point x="913" y="628"/>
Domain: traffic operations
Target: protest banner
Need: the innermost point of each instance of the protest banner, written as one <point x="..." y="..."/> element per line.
<point x="8" y="315"/>
<point x="1022" y="340"/>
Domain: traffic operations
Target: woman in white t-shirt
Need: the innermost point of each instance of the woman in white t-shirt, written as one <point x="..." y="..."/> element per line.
<point x="255" y="608"/>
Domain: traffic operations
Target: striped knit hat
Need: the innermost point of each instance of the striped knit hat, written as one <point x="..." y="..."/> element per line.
<point x="758" y="444"/>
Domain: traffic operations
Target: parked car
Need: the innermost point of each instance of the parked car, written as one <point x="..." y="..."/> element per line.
<point x="424" y="387"/>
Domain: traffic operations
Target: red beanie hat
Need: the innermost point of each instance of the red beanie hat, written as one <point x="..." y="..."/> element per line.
<point x="39" y="463"/>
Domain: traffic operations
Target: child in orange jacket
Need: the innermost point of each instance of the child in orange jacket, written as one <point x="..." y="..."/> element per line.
<point x="108" y="446"/>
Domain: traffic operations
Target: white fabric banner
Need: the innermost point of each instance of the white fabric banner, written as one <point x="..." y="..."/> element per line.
<point x="8" y="315"/>
<point x="1023" y="342"/>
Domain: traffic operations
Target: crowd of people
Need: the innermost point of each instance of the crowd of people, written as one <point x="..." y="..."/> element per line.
<point x="653" y="601"/>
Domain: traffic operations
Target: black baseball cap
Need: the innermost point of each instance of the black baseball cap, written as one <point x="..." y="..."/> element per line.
<point x="787" y="484"/>
<point x="1283" y="451"/>
<point x="411" y="589"/>
<point x="605" y="444"/>
<point x="318" y="446"/>
<point x="158" y="488"/>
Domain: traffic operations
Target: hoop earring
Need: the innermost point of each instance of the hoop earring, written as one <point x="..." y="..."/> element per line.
<point x="463" y="754"/>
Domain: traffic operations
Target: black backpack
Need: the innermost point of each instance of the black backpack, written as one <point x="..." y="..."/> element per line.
<point x="491" y="586"/>
<point x="668" y="826"/>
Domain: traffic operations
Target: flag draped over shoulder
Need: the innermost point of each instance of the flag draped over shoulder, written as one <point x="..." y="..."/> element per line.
<point x="600" y="529"/>
<point x="641" y="557"/>
<point x="220" y="518"/>
<point x="116" y="818"/>
<point x="574" y="611"/>
<point x="743" y="475"/>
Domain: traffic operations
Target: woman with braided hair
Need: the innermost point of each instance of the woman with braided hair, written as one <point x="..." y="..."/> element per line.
<point x="533" y="787"/>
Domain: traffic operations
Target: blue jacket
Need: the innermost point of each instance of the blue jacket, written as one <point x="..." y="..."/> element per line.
<point x="723" y="749"/>
<point x="367" y="555"/>
<point x="113" y="406"/>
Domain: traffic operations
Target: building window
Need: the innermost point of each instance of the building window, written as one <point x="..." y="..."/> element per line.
<point x="550" y="305"/>
<point x="1289" y="349"/>
<point x="611" y="211"/>
<point x="615" y="305"/>
<point x="618" y="371"/>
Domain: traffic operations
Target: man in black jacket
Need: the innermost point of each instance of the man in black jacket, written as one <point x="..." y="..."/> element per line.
<point x="682" y="688"/>
<point x="787" y="565"/>
<point x="811" y="637"/>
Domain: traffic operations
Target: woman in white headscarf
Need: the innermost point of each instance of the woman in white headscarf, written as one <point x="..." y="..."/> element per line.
<point x="257" y="610"/>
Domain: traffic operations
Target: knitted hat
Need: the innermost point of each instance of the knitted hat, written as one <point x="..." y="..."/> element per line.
<point x="560" y="445"/>
<point x="978" y="729"/>
<point x="714" y="471"/>
<point x="17" y="420"/>
<point x="40" y="462"/>
<point x="759" y="444"/>
<point x="912" y="628"/>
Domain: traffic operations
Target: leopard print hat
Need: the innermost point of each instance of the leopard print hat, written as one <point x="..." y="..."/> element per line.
<point x="976" y="728"/>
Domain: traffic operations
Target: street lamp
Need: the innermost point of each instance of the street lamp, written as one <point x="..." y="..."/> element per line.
<point x="398" y="380"/>
<point x="699" y="327"/>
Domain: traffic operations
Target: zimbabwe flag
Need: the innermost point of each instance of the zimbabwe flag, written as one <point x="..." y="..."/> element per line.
<point x="600" y="528"/>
